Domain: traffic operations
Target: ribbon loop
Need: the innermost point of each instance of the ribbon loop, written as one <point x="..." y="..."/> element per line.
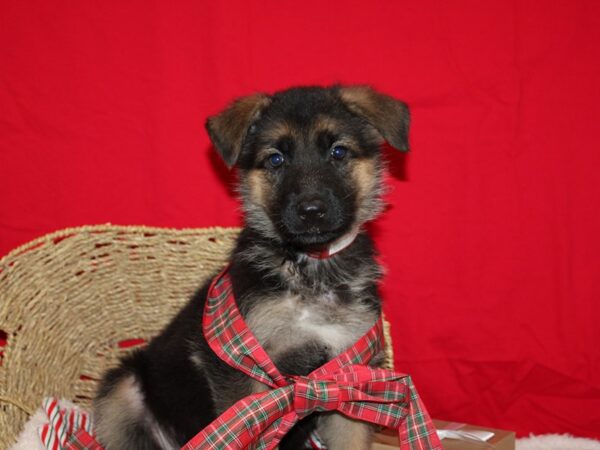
<point x="315" y="395"/>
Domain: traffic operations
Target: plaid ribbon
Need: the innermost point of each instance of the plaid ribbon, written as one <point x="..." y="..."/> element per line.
<point x="346" y="384"/>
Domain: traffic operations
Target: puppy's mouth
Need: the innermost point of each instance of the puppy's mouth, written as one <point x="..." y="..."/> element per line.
<point x="315" y="238"/>
<point x="312" y="222"/>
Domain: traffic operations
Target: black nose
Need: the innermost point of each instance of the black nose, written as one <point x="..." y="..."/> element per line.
<point x="312" y="209"/>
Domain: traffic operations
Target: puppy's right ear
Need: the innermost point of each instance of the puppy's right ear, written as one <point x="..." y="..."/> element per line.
<point x="228" y="129"/>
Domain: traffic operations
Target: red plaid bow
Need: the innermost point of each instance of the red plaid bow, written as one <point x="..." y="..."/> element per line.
<point x="345" y="384"/>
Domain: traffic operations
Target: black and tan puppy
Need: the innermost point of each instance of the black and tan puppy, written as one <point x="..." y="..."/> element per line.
<point x="310" y="177"/>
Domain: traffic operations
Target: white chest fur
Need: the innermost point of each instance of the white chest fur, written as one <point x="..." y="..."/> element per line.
<point x="289" y="321"/>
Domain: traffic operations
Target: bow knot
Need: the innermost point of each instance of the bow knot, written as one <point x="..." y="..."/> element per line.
<point x="315" y="395"/>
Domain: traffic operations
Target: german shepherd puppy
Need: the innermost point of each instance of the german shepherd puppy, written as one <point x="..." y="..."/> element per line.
<point x="310" y="174"/>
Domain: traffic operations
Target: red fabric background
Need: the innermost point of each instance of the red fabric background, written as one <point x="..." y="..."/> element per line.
<point x="491" y="240"/>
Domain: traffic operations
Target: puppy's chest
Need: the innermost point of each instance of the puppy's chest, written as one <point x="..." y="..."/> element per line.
<point x="293" y="323"/>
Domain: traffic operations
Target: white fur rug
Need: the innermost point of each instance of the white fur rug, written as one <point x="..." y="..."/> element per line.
<point x="557" y="442"/>
<point x="29" y="439"/>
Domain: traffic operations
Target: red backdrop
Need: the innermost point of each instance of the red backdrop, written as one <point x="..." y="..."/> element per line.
<point x="491" y="240"/>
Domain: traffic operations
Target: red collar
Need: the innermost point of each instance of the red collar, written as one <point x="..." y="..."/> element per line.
<point x="335" y="247"/>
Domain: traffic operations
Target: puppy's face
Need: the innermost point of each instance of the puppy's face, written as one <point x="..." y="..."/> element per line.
<point x="309" y="159"/>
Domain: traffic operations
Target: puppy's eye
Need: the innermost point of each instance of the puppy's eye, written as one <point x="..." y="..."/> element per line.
<point x="339" y="152"/>
<point x="276" y="159"/>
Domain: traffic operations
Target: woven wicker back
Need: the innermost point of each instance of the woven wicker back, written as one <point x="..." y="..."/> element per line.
<point x="74" y="301"/>
<point x="69" y="300"/>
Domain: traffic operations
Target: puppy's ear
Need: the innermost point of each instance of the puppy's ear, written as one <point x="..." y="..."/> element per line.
<point x="389" y="116"/>
<point x="228" y="129"/>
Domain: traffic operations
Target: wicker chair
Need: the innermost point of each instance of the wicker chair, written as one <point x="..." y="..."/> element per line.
<point x="74" y="301"/>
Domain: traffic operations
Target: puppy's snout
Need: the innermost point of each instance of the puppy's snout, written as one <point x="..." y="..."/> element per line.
<point x="312" y="216"/>
<point x="311" y="209"/>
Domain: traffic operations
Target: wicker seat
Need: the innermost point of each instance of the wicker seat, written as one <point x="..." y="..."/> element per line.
<point x="74" y="301"/>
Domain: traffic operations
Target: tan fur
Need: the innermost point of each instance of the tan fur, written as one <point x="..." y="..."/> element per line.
<point x="342" y="433"/>
<point x="365" y="175"/>
<point x="360" y="97"/>
<point x="325" y="123"/>
<point x="115" y="413"/>
<point x="256" y="190"/>
<point x="258" y="387"/>
<point x="277" y="130"/>
<point x="328" y="124"/>
<point x="258" y="186"/>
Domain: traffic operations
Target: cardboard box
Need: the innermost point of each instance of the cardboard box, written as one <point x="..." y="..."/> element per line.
<point x="501" y="440"/>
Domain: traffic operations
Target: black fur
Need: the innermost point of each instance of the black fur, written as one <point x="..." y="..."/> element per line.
<point x="183" y="384"/>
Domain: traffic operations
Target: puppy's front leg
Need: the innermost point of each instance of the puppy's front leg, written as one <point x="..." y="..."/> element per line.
<point x="342" y="433"/>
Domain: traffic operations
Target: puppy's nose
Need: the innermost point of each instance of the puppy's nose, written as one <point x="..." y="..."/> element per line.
<point x="311" y="209"/>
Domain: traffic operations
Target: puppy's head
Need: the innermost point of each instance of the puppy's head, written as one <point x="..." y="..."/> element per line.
<point x="309" y="158"/>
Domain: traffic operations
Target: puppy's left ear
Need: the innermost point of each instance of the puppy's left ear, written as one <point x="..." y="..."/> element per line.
<point x="228" y="129"/>
<point x="389" y="116"/>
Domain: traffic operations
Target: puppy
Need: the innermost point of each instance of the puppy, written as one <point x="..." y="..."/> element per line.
<point x="310" y="174"/>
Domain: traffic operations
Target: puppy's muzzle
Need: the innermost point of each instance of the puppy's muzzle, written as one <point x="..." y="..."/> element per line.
<point x="311" y="213"/>
<point x="311" y="210"/>
<point x="312" y="216"/>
